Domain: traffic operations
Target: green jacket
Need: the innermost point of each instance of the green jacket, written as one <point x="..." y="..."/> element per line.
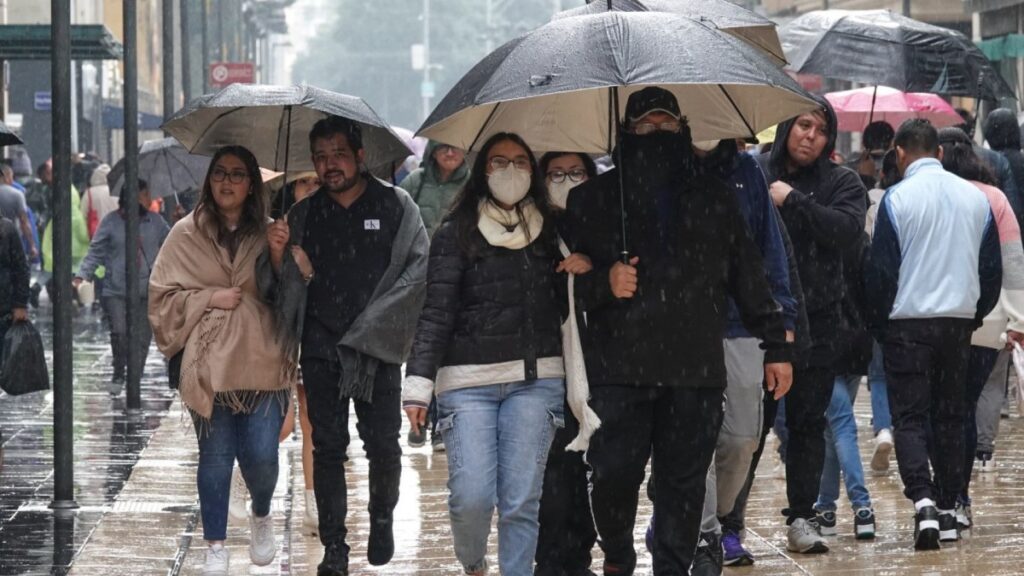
<point x="79" y="238"/>
<point x="430" y="194"/>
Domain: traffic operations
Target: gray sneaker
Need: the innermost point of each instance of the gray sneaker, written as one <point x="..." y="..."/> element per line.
<point x="803" y="538"/>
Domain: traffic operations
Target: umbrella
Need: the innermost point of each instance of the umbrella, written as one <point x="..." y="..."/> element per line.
<point x="564" y="85"/>
<point x="879" y="47"/>
<point x="166" y="166"/>
<point x="416" y="144"/>
<point x="858" y="108"/>
<point x="8" y="137"/>
<point x="748" y="26"/>
<point x="274" y="123"/>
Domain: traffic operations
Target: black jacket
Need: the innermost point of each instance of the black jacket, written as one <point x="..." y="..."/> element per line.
<point x="500" y="305"/>
<point x="670" y="333"/>
<point x="14" y="275"/>
<point x="824" y="216"/>
<point x="1003" y="135"/>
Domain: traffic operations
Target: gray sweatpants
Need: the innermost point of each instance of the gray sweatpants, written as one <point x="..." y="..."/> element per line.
<point x="741" y="429"/>
<point x="991" y="402"/>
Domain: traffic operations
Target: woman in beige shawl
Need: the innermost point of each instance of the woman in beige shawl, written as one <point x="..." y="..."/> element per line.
<point x="235" y="380"/>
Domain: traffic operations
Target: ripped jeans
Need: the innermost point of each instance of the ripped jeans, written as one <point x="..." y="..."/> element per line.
<point x="497" y="438"/>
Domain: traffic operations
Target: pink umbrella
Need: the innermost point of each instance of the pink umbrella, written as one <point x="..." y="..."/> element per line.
<point x="858" y="108"/>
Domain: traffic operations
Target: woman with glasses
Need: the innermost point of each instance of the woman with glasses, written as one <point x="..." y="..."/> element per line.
<point x="489" y="343"/>
<point x="234" y="377"/>
<point x="567" y="532"/>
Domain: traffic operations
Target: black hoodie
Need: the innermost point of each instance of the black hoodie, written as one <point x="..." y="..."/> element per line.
<point x="1003" y="135"/>
<point x="695" y="251"/>
<point x="824" y="216"/>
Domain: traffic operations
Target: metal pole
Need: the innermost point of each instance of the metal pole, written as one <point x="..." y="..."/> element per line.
<point x="205" y="21"/>
<point x="186" y="51"/>
<point x="906" y="8"/>
<point x="131" y="192"/>
<point x="167" y="51"/>
<point x="63" y="415"/>
<point x="426" y="58"/>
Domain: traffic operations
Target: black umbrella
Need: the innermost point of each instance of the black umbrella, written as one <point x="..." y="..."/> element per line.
<point x="882" y="48"/>
<point x="748" y="26"/>
<point x="557" y="86"/>
<point x="166" y="166"/>
<point x="274" y="123"/>
<point x="8" y="137"/>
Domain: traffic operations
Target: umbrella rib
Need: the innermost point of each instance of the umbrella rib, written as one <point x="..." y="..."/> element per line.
<point x="484" y="126"/>
<point x="737" y="109"/>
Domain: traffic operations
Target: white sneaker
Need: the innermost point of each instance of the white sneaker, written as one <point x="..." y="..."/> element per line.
<point x="216" y="561"/>
<point x="236" y="506"/>
<point x="883" y="449"/>
<point x="262" y="546"/>
<point x="803" y="537"/>
<point x="311" y="520"/>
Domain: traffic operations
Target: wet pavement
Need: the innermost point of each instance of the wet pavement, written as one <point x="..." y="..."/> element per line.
<point x="135" y="481"/>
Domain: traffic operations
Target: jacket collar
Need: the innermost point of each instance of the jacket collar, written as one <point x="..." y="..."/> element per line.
<point x="923" y="165"/>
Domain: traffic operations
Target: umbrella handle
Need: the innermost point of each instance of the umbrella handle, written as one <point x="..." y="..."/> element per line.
<point x="874" y="95"/>
<point x="613" y="102"/>
<point x="287" y="153"/>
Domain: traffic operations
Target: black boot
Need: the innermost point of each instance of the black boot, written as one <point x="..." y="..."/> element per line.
<point x="335" y="562"/>
<point x="381" y="546"/>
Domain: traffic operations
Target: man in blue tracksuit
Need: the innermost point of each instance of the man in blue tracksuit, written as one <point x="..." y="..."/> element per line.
<point x="933" y="274"/>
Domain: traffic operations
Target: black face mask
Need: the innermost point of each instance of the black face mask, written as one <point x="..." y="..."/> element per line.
<point x="660" y="156"/>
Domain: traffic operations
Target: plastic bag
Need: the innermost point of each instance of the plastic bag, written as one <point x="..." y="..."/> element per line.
<point x="23" y="363"/>
<point x="1018" y="365"/>
<point x="86" y="293"/>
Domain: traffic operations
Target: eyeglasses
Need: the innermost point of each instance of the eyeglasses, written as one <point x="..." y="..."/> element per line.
<point x="235" y="177"/>
<point x="646" y="128"/>
<point x="500" y="163"/>
<point x="446" y="149"/>
<point x="578" y="175"/>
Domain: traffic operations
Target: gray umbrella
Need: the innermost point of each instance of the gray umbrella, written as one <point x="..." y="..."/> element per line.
<point x="748" y="26"/>
<point x="563" y="86"/>
<point x="274" y="123"/>
<point x="166" y="166"/>
<point x="8" y="137"/>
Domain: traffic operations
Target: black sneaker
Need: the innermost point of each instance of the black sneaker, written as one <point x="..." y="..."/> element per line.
<point x="948" y="529"/>
<point x="826" y="522"/>
<point x="926" y="529"/>
<point x="381" y="546"/>
<point x="708" y="559"/>
<point x="437" y="442"/>
<point x="417" y="440"/>
<point x="335" y="562"/>
<point x="864" y="523"/>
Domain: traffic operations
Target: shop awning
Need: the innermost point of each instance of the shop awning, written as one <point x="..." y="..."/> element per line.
<point x="1009" y="46"/>
<point x="32" y="42"/>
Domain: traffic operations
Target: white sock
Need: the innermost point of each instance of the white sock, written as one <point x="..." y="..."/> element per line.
<point x="950" y="512"/>
<point x="922" y="503"/>
<point x="216" y="547"/>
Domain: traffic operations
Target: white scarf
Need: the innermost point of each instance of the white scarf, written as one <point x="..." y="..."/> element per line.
<point x="495" y="223"/>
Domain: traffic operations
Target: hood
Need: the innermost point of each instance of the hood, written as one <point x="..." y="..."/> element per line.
<point x="780" y="152"/>
<point x="429" y="165"/>
<point x="1001" y="130"/>
<point x="99" y="176"/>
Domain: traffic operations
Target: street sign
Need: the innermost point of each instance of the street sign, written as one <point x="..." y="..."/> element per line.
<point x="426" y="89"/>
<point x="226" y="73"/>
<point x="42" y="101"/>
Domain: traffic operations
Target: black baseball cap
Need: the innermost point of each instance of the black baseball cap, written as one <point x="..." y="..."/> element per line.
<point x="651" y="99"/>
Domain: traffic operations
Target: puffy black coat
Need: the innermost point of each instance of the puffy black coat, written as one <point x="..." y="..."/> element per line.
<point x="1003" y="135"/>
<point x="500" y="305"/>
<point x="14" y="274"/>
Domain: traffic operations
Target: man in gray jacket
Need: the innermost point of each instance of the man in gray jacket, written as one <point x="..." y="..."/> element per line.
<point x="107" y="249"/>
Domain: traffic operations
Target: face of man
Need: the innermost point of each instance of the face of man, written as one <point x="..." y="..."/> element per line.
<point x="336" y="164"/>
<point x="47" y="176"/>
<point x="807" y="139"/>
<point x="655" y="122"/>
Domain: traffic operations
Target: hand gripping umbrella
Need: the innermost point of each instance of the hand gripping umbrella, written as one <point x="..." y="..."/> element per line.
<point x="166" y="166"/>
<point x="748" y="26"/>
<point x="882" y="48"/>
<point x="274" y="123"/>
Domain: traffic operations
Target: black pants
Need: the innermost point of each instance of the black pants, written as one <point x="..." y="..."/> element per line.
<point x="567" y="532"/>
<point x="806" y="403"/>
<point x="926" y="368"/>
<point x="979" y="367"/>
<point x="735" y="521"/>
<point x="681" y="426"/>
<point x="378" y="426"/>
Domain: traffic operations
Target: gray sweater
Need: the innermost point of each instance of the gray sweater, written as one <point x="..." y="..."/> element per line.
<point x="107" y="250"/>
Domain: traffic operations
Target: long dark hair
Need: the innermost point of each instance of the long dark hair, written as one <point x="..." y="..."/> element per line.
<point x="958" y="157"/>
<point x="466" y="206"/>
<point x="589" y="166"/>
<point x="253" y="220"/>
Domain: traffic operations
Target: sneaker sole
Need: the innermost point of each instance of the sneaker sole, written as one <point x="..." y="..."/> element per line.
<point x="880" y="460"/>
<point x="948" y="535"/>
<point x="816" y="548"/>
<point x="740" y="561"/>
<point x="828" y="530"/>
<point x="261" y="561"/>
<point x="927" y="539"/>
<point x="865" y="533"/>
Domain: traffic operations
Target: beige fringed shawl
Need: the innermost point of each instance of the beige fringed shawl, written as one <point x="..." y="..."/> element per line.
<point x="231" y="357"/>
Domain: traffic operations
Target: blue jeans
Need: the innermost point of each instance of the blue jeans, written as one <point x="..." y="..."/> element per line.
<point x="497" y="438"/>
<point x="252" y="439"/>
<point x="881" y="417"/>
<point x="841" y="452"/>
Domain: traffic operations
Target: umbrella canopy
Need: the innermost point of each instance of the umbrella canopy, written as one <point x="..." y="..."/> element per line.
<point x="555" y="86"/>
<point x="882" y="48"/>
<point x="855" y="109"/>
<point x="416" y="144"/>
<point x="8" y="137"/>
<point x="166" y="166"/>
<point x="748" y="26"/>
<point x="274" y="123"/>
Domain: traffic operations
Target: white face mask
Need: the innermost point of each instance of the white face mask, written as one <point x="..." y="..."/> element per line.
<point x="559" y="192"/>
<point x="706" y="145"/>
<point x="509" y="185"/>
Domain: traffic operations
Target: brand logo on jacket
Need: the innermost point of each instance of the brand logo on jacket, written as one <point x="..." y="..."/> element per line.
<point x="371" y="224"/>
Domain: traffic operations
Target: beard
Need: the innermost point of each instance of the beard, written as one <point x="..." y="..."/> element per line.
<point x="347" y="184"/>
